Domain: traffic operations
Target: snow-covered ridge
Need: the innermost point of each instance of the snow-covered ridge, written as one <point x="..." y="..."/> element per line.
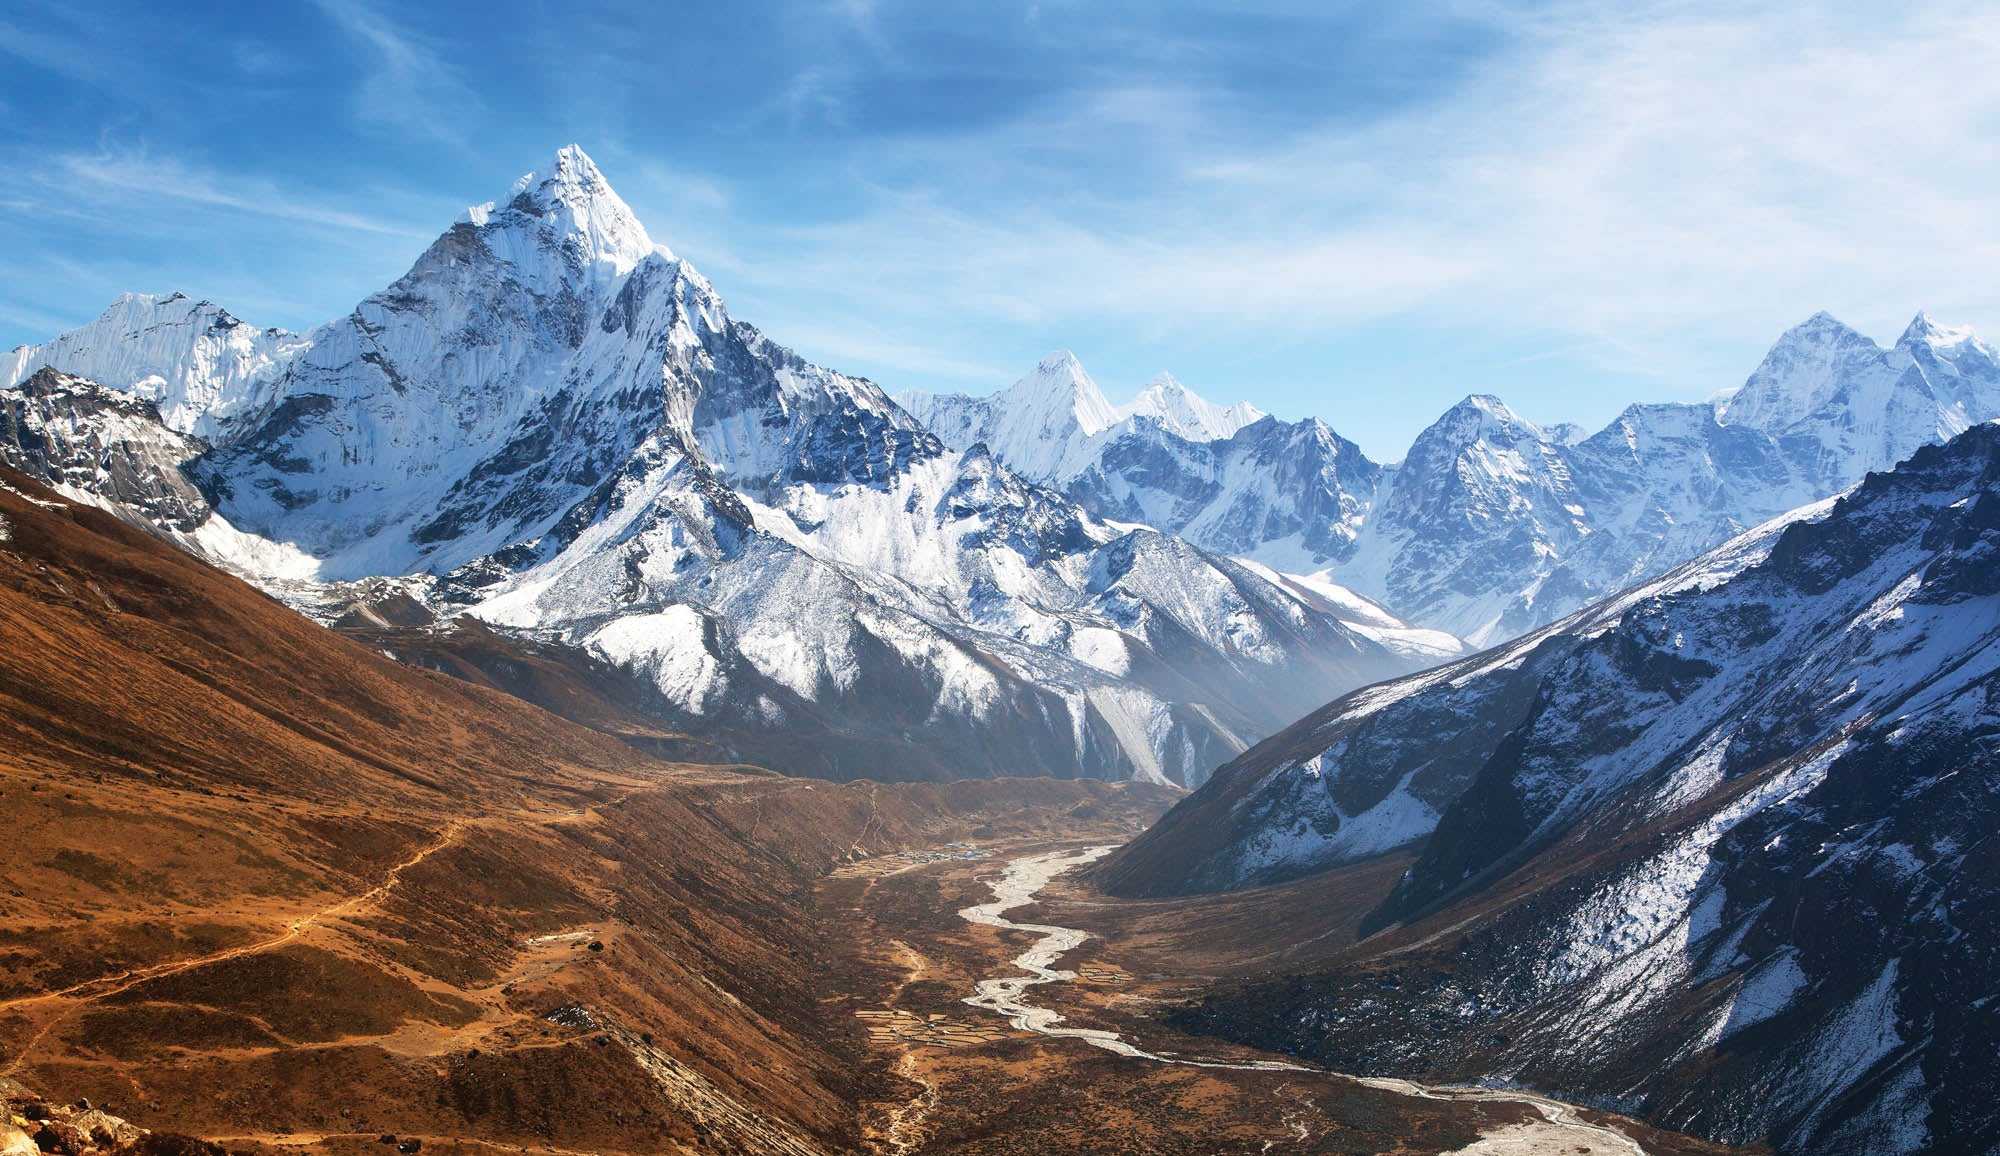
<point x="1059" y="396"/>
<point x="194" y="361"/>
<point x="1184" y="413"/>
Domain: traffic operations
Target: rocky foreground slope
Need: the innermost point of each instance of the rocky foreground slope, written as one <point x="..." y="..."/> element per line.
<point x="1716" y="851"/>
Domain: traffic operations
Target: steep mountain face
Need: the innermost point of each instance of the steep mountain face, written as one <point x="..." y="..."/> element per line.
<point x="1711" y="850"/>
<point x="82" y="436"/>
<point x="1289" y="495"/>
<point x="1826" y="383"/>
<point x="553" y="425"/>
<point x="1482" y="503"/>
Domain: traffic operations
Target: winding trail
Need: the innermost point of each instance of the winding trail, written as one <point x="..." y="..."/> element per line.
<point x="906" y="1124"/>
<point x="91" y="990"/>
<point x="1007" y="996"/>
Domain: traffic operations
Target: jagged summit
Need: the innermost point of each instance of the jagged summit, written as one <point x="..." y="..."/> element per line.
<point x="1287" y="495"/>
<point x="1480" y="415"/>
<point x="573" y="178"/>
<point x="1186" y="413"/>
<point x="1880" y="403"/>
<point x="1924" y="330"/>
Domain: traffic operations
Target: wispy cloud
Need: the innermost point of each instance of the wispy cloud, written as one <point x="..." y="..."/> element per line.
<point x="1640" y="182"/>
<point x="1550" y="193"/>
<point x="409" y="84"/>
<point x="131" y="172"/>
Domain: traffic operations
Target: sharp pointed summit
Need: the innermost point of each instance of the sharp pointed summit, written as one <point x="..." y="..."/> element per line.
<point x="1925" y="330"/>
<point x="1062" y="389"/>
<point x="567" y="207"/>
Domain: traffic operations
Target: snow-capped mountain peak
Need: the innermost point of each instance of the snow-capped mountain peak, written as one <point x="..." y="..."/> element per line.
<point x="1289" y="495"/>
<point x="1060" y="390"/>
<point x="1867" y="405"/>
<point x="1800" y="374"/>
<point x="1487" y="414"/>
<point x="1184" y="413"/>
<point x="569" y="206"/>
<point x="1043" y="426"/>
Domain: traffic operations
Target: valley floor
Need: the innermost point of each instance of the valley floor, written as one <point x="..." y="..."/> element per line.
<point x="975" y="1081"/>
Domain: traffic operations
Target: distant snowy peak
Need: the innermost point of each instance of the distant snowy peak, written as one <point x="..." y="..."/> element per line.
<point x="194" y="361"/>
<point x="1060" y="389"/>
<point x="1044" y="424"/>
<point x="1483" y="461"/>
<point x="1229" y="479"/>
<point x="1925" y="330"/>
<point x="1800" y="374"/>
<point x="1187" y="414"/>
<point x="1483" y="417"/>
<point x="1933" y="383"/>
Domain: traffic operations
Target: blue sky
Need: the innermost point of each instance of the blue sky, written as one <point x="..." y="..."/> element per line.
<point x="1362" y="212"/>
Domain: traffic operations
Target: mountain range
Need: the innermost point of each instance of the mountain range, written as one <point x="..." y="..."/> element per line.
<point x="1490" y="525"/>
<point x="1700" y="835"/>
<point x="552" y="427"/>
<point x="551" y="424"/>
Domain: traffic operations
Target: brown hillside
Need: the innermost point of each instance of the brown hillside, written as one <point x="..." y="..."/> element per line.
<point x="261" y="883"/>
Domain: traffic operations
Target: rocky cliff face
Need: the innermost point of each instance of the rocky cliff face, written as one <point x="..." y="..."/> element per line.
<point x="83" y="437"/>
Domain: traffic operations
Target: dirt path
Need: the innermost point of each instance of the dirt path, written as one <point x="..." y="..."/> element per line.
<point x="905" y="1130"/>
<point x="82" y="994"/>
